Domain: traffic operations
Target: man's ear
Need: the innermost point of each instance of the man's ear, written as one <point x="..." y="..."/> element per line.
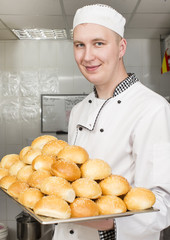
<point x="122" y="47"/>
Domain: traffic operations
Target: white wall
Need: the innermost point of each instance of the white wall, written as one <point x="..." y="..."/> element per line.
<point x="29" y="68"/>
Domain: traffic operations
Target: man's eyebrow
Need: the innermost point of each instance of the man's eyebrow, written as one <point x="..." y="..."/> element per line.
<point x="77" y="41"/>
<point x="99" y="39"/>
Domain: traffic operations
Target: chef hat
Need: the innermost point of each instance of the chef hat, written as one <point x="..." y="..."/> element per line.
<point x="100" y="14"/>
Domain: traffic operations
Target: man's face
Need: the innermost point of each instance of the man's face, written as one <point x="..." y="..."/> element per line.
<point x="97" y="53"/>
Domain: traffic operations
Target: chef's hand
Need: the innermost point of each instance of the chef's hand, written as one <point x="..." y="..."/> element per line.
<point x="101" y="225"/>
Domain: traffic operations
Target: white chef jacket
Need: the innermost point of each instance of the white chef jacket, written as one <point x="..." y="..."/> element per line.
<point x="132" y="133"/>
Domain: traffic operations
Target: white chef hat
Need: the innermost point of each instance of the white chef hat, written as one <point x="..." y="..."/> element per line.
<point x="100" y="14"/>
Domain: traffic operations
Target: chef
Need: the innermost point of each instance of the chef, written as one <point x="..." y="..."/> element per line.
<point x="122" y="122"/>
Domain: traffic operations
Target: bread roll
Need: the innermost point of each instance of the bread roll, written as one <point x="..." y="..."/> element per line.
<point x="39" y="142"/>
<point x="8" y="160"/>
<point x="43" y="162"/>
<point x="139" y="199"/>
<point x="16" y="188"/>
<point x="36" y="178"/>
<point x="59" y="187"/>
<point x="66" y="169"/>
<point x="114" y="185"/>
<point x="87" y="188"/>
<point x="13" y="170"/>
<point x="52" y="206"/>
<point x="110" y="205"/>
<point x="84" y="207"/>
<point x="3" y="172"/>
<point x="75" y="154"/>
<point x="96" y="169"/>
<point x="31" y="155"/>
<point x="30" y="197"/>
<point x="23" y="152"/>
<point x="6" y="181"/>
<point x="24" y="173"/>
<point x="53" y="147"/>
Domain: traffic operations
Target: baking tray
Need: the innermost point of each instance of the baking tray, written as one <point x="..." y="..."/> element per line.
<point x="49" y="220"/>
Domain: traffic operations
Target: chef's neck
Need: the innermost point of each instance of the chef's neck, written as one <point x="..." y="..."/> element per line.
<point x="105" y="92"/>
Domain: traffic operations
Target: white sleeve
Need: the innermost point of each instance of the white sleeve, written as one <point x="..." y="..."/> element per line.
<point x="151" y="151"/>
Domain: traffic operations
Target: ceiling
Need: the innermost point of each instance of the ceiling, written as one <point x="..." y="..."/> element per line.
<point x="145" y="18"/>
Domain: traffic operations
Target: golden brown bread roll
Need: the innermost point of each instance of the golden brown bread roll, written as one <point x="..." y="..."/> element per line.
<point x="53" y="147"/>
<point x="139" y="199"/>
<point x="84" y="207"/>
<point x="87" y="188"/>
<point x="24" y="173"/>
<point x="74" y="153"/>
<point x="52" y="206"/>
<point x="3" y="172"/>
<point x="114" y="185"/>
<point x="66" y="169"/>
<point x="39" y="142"/>
<point x="30" y="197"/>
<point x="23" y="152"/>
<point x="36" y="178"/>
<point x="13" y="170"/>
<point x="16" y="188"/>
<point x="43" y="162"/>
<point x="6" y="181"/>
<point x="8" y="160"/>
<point x="110" y="205"/>
<point x="59" y="187"/>
<point x="31" y="155"/>
<point x="96" y="169"/>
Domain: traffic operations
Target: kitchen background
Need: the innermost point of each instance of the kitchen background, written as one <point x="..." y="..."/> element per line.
<point x="29" y="68"/>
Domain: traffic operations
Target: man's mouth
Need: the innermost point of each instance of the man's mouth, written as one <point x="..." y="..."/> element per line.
<point x="92" y="68"/>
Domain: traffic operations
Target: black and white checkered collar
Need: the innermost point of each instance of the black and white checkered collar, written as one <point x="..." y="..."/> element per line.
<point x="122" y="86"/>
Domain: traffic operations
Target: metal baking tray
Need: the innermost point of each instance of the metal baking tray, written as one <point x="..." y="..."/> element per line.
<point x="49" y="220"/>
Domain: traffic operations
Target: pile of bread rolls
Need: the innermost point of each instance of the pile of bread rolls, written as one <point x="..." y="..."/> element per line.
<point x="58" y="180"/>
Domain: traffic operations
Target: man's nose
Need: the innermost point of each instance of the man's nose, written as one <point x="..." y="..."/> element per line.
<point x="88" y="54"/>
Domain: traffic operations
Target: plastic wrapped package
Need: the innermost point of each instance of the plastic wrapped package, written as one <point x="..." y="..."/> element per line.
<point x="48" y="80"/>
<point x="29" y="84"/>
<point x="11" y="109"/>
<point x="0" y="85"/>
<point x="10" y="84"/>
<point x="30" y="109"/>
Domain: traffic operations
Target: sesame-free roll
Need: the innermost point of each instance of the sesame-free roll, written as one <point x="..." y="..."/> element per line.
<point x="53" y="147"/>
<point x="39" y="142"/>
<point x="52" y="206"/>
<point x="30" y="197"/>
<point x="74" y="153"/>
<point x="66" y="169"/>
<point x="139" y="198"/>
<point x="8" y="160"/>
<point x="16" y="188"/>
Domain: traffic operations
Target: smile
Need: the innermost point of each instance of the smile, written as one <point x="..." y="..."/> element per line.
<point x="92" y="68"/>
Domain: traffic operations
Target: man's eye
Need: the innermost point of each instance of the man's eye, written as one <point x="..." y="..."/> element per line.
<point x="99" y="44"/>
<point x="79" y="45"/>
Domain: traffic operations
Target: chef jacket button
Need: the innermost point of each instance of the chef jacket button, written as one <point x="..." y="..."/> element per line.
<point x="71" y="231"/>
<point x="101" y="130"/>
<point x="90" y="101"/>
<point x="80" y="128"/>
<point x="119" y="101"/>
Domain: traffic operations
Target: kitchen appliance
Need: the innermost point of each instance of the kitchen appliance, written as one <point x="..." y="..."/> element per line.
<point x="29" y="228"/>
<point x="3" y="232"/>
